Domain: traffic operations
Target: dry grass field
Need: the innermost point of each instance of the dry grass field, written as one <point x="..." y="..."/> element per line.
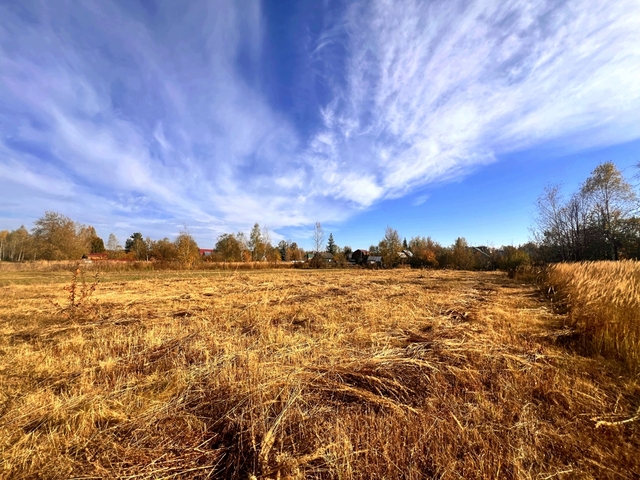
<point x="304" y="374"/>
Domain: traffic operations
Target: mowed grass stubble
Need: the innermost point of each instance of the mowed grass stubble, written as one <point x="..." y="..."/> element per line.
<point x="305" y="374"/>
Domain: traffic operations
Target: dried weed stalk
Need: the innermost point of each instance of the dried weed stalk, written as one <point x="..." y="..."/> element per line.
<point x="79" y="293"/>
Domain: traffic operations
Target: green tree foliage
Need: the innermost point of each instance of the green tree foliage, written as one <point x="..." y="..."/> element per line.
<point x="283" y="248"/>
<point x="512" y="258"/>
<point x="289" y="251"/>
<point x="97" y="245"/>
<point x="137" y="246"/>
<point x="256" y="243"/>
<point x="94" y="244"/>
<point x="332" y="248"/>
<point x="295" y="253"/>
<point x="272" y="254"/>
<point x="241" y="237"/>
<point x="629" y="238"/>
<point x="130" y="242"/>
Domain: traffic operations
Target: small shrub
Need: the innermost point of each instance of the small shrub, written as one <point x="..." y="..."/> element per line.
<point x="512" y="260"/>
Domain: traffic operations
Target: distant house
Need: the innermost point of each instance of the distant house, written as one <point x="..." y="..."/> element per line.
<point x="484" y="256"/>
<point x="405" y="256"/>
<point x="486" y="251"/>
<point x="206" y="252"/>
<point x="325" y="257"/>
<point x="362" y="257"/>
<point x="374" y="261"/>
<point x="359" y="256"/>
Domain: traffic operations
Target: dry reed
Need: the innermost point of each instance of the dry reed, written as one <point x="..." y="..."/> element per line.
<point x="134" y="266"/>
<point x="603" y="303"/>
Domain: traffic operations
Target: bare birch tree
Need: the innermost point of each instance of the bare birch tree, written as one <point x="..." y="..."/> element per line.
<point x="318" y="237"/>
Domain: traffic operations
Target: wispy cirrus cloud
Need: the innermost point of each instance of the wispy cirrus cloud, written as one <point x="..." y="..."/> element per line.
<point x="434" y="88"/>
<point x="164" y="114"/>
<point x="120" y="113"/>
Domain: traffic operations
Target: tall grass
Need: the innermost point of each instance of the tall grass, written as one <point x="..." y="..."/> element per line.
<point x="603" y="303"/>
<point x="130" y="266"/>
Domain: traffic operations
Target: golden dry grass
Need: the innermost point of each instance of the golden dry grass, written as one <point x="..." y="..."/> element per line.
<point x="304" y="374"/>
<point x="603" y="304"/>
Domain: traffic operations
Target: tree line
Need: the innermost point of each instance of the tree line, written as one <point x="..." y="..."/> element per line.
<point x="57" y="237"/>
<point x="53" y="237"/>
<point x="237" y="247"/>
<point x="598" y="222"/>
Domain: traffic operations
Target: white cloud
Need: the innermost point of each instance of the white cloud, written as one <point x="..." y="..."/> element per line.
<point x="47" y="181"/>
<point x="163" y="119"/>
<point x="420" y="200"/>
<point x="444" y="86"/>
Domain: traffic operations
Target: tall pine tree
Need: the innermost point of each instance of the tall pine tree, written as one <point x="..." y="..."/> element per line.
<point x="332" y="248"/>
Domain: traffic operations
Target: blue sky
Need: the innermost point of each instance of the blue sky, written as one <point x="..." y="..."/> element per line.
<point x="438" y="118"/>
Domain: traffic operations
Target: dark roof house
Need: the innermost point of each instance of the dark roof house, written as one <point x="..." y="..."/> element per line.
<point x="326" y="256"/>
<point x="374" y="259"/>
<point x="359" y="256"/>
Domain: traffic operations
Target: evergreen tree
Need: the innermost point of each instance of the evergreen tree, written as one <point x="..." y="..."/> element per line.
<point x="332" y="248"/>
<point x="137" y="245"/>
<point x="283" y="248"/>
<point x="97" y="245"/>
